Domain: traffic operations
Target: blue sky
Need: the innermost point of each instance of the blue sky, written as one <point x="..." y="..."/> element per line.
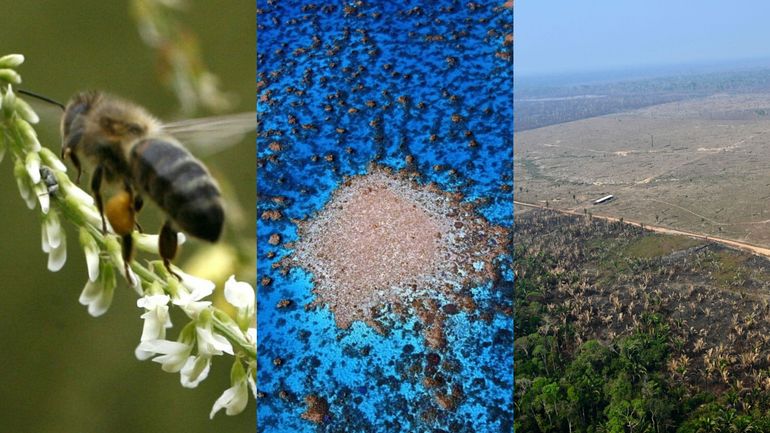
<point x="558" y="36"/>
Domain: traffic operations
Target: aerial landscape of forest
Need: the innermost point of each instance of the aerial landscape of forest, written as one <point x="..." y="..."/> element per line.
<point x="641" y="253"/>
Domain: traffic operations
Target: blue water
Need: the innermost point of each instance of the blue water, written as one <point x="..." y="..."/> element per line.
<point x="373" y="382"/>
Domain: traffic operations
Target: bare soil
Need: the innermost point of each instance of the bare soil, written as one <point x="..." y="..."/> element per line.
<point x="700" y="165"/>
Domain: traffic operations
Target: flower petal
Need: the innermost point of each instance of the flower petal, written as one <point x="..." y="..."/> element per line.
<point x="195" y="370"/>
<point x="26" y="191"/>
<point x="102" y="303"/>
<point x="44" y="243"/>
<point x="92" y="262"/>
<point x="239" y="294"/>
<point x="58" y="255"/>
<point x="53" y="229"/>
<point x="151" y="301"/>
<point x="174" y="354"/>
<point x="32" y="165"/>
<point x="78" y="194"/>
<point x="199" y="287"/>
<point x="43" y="196"/>
<point x="234" y="399"/>
<point x="97" y="297"/>
<point x="90" y="292"/>
<point x="210" y="343"/>
<point x="52" y="160"/>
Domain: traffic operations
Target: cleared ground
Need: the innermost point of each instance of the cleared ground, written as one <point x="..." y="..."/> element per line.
<point x="700" y="165"/>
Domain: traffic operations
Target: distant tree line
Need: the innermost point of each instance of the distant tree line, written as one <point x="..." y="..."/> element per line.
<point x="541" y="104"/>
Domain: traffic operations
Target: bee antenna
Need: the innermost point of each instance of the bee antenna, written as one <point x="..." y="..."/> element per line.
<point x="42" y="98"/>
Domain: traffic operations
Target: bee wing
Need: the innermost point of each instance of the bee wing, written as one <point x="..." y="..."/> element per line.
<point x="210" y="135"/>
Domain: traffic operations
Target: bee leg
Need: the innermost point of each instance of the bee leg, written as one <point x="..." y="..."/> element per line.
<point x="167" y="244"/>
<point x="67" y="153"/>
<point x="128" y="250"/>
<point x="96" y="183"/>
<point x="138" y="203"/>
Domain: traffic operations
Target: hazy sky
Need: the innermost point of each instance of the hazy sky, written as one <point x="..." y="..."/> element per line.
<point x="555" y="36"/>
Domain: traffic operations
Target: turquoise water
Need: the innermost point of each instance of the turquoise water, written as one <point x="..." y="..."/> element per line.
<point x="315" y="64"/>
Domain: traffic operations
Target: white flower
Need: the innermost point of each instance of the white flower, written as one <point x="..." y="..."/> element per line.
<point x="28" y="134"/>
<point x="91" y="250"/>
<point x="211" y="343"/>
<point x="82" y="199"/>
<point x="97" y="295"/>
<point x="239" y="294"/>
<point x="149" y="243"/>
<point x="58" y="255"/>
<point x="32" y="164"/>
<point x="189" y="294"/>
<point x="26" y="112"/>
<point x="234" y="399"/>
<point x="39" y="186"/>
<point x="24" y="184"/>
<point x="156" y="320"/>
<point x="54" y="241"/>
<point x="200" y="287"/>
<point x="51" y="232"/>
<point x="51" y="159"/>
<point x="174" y="354"/>
<point x="11" y="60"/>
<point x="195" y="369"/>
<point x="40" y="190"/>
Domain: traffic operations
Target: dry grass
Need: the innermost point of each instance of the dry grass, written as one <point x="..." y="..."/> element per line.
<point x="701" y="165"/>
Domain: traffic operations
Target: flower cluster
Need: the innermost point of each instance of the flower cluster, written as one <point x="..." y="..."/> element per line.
<point x="42" y="180"/>
<point x="200" y="335"/>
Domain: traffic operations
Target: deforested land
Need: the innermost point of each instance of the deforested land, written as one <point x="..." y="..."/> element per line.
<point x="620" y="326"/>
<point x="621" y="329"/>
<point x="688" y="152"/>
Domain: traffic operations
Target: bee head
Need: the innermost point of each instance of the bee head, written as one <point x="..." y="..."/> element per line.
<point x="72" y="120"/>
<point x="78" y="105"/>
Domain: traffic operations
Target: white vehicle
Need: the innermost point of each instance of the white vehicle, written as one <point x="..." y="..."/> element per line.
<point x="604" y="199"/>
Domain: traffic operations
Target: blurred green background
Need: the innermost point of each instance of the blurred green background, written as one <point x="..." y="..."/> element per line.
<point x="62" y="370"/>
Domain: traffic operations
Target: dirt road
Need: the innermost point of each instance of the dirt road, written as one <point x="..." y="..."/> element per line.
<point x="754" y="249"/>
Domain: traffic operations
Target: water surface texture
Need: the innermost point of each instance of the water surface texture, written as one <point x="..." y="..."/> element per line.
<point x="373" y="117"/>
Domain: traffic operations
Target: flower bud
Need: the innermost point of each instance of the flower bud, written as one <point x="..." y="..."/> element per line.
<point x="11" y="60"/>
<point x="43" y="196"/>
<point x="32" y="164"/>
<point x="28" y="135"/>
<point x="10" y="76"/>
<point x="9" y="103"/>
<point x="91" y="250"/>
<point x="22" y="181"/>
<point x="50" y="159"/>
<point x="26" y="112"/>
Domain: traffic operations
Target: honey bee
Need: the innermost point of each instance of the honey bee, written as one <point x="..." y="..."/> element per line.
<point x="124" y="146"/>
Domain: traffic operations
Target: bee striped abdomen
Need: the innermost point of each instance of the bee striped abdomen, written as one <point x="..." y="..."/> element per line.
<point x="180" y="185"/>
